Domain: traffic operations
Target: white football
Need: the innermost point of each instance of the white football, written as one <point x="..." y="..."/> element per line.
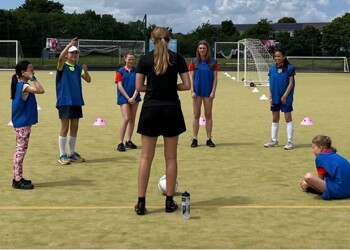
<point x="162" y="184"/>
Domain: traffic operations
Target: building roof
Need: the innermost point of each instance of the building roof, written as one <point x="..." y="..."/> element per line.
<point x="281" y="26"/>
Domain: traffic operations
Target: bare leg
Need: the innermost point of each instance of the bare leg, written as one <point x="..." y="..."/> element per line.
<point x="147" y="155"/>
<point x="208" y="107"/>
<point x="133" y="111"/>
<point x="316" y="182"/>
<point x="197" y="104"/>
<point x="170" y="154"/>
<point x="125" y="110"/>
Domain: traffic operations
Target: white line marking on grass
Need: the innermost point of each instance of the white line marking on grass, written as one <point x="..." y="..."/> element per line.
<point x="158" y="207"/>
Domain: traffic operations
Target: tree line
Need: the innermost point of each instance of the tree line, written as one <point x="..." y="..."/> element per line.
<point x="36" y="20"/>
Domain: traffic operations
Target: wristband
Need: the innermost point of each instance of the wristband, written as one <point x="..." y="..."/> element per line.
<point x="33" y="78"/>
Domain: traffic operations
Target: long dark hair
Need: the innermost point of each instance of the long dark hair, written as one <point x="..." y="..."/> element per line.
<point x="283" y="52"/>
<point x="22" y="65"/>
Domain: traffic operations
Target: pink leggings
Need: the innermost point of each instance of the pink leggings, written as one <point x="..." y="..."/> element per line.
<point x="22" y="140"/>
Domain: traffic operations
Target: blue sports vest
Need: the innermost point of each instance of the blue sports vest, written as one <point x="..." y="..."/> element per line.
<point x="24" y="113"/>
<point x="68" y="86"/>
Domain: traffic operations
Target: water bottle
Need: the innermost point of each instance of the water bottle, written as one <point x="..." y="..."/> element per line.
<point x="186" y="206"/>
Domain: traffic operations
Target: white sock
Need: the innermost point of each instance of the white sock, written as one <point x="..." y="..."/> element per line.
<point x="274" y="131"/>
<point x="62" y="144"/>
<point x="290" y="131"/>
<point x="71" y="143"/>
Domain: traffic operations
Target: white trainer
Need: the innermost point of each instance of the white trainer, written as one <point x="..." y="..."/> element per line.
<point x="289" y="146"/>
<point x="270" y="144"/>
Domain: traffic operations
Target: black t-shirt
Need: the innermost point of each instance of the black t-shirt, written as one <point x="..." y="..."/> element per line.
<point x="161" y="89"/>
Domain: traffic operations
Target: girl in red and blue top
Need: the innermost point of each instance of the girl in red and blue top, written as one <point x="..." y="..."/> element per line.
<point x="204" y="78"/>
<point x="128" y="99"/>
<point x="333" y="171"/>
<point x="24" y="115"/>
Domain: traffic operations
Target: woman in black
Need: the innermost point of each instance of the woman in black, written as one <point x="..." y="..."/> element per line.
<point x="161" y="113"/>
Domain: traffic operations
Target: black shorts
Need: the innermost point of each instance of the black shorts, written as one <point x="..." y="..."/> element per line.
<point x="167" y="121"/>
<point x="70" y="112"/>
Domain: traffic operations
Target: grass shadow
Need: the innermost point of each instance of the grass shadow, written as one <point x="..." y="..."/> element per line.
<point x="224" y="201"/>
<point x="63" y="183"/>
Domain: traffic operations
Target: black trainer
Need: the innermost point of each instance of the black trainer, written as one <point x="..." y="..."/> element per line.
<point x="210" y="143"/>
<point x="170" y="206"/>
<point x="140" y="208"/>
<point x="130" y="144"/>
<point x="194" y="143"/>
<point x="22" y="184"/>
<point x="121" y="147"/>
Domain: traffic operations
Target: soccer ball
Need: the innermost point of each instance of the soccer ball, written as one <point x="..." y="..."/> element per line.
<point x="162" y="184"/>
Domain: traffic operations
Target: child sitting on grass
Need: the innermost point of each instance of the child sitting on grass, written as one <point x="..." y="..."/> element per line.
<point x="333" y="171"/>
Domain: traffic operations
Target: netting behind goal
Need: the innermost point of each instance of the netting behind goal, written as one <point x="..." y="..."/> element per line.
<point x="96" y="53"/>
<point x="253" y="62"/>
<point x="10" y="53"/>
<point x="319" y="63"/>
<point x="227" y="50"/>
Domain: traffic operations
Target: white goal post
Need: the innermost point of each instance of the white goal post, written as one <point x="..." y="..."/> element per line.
<point x="320" y="63"/>
<point x="10" y="52"/>
<point x="253" y="62"/>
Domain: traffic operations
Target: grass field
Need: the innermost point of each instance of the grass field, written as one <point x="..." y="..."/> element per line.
<point x="242" y="195"/>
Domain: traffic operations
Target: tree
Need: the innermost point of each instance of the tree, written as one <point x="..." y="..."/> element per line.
<point x="262" y="30"/>
<point x="306" y="42"/>
<point x="42" y="6"/>
<point x="228" y="28"/>
<point x="336" y="36"/>
<point x="287" y="20"/>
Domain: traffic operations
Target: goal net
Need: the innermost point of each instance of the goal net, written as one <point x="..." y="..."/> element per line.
<point x="320" y="63"/>
<point x="96" y="53"/>
<point x="227" y="50"/>
<point x="253" y="62"/>
<point x="10" y="53"/>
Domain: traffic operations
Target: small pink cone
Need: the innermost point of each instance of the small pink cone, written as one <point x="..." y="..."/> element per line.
<point x="307" y="122"/>
<point x="202" y="121"/>
<point x="100" y="122"/>
<point x="10" y="123"/>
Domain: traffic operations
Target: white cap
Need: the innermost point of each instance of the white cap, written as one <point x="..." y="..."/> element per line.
<point x="72" y="49"/>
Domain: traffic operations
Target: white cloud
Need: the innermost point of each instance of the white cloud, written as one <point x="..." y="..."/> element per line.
<point x="186" y="15"/>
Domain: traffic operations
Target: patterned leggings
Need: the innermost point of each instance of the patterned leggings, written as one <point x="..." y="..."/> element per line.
<point x="22" y="140"/>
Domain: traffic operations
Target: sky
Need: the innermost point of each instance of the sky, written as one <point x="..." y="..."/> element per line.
<point x="186" y="15"/>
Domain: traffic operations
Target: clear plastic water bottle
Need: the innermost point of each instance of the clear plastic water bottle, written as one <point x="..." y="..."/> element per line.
<point x="186" y="205"/>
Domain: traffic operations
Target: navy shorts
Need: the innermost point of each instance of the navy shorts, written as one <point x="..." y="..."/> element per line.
<point x="167" y="121"/>
<point x="70" y="112"/>
<point x="281" y="107"/>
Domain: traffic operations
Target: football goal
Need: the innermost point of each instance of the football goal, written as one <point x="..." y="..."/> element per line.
<point x="253" y="62"/>
<point x="96" y="53"/>
<point x="320" y="63"/>
<point x="10" y="52"/>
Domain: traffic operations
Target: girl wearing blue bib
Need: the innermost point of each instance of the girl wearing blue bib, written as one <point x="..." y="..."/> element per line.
<point x="333" y="171"/>
<point x="204" y="78"/>
<point x="69" y="100"/>
<point x="128" y="99"/>
<point x="24" y="115"/>
<point x="282" y="84"/>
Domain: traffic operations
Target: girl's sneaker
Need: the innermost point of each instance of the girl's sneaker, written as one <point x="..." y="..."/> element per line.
<point x="130" y="144"/>
<point x="288" y="146"/>
<point x="271" y="144"/>
<point x="22" y="184"/>
<point x="75" y="157"/>
<point x="64" y="160"/>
